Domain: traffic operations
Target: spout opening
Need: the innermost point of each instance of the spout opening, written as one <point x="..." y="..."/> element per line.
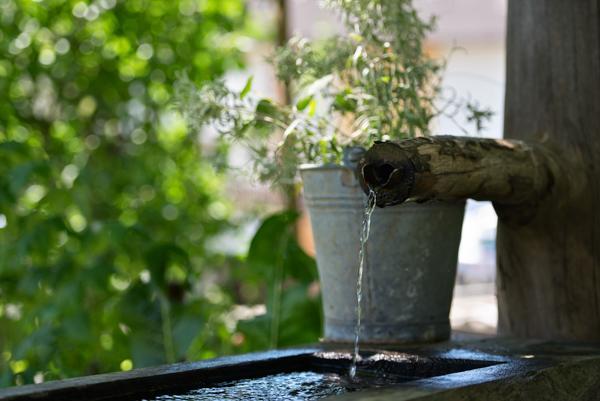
<point x="378" y="175"/>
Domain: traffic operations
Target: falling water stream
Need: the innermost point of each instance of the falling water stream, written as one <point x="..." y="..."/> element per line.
<point x="364" y="236"/>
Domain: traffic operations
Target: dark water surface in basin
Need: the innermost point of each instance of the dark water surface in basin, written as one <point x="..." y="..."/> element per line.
<point x="297" y="386"/>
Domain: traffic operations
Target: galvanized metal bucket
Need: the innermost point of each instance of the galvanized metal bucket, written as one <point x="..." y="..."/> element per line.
<point x="410" y="267"/>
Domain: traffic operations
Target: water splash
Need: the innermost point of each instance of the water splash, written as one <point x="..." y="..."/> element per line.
<point x="364" y="236"/>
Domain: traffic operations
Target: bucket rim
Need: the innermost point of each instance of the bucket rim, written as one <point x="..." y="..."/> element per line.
<point x="328" y="166"/>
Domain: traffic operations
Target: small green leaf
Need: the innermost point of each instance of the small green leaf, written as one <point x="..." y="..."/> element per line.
<point x="303" y="103"/>
<point x="343" y="103"/>
<point x="247" y="88"/>
<point x="266" y="108"/>
<point x="356" y="37"/>
<point x="312" y="108"/>
<point x="323" y="145"/>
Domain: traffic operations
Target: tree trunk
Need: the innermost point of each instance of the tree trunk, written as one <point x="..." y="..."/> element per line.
<point x="549" y="269"/>
<point x="544" y="178"/>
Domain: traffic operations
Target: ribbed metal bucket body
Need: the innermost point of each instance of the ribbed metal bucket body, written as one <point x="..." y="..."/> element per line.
<point x="410" y="268"/>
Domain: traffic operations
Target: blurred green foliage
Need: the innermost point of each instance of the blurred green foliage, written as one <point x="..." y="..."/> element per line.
<point x="292" y="294"/>
<point x="108" y="207"/>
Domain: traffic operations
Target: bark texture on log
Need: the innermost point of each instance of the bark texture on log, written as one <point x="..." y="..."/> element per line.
<point x="447" y="168"/>
<point x="549" y="269"/>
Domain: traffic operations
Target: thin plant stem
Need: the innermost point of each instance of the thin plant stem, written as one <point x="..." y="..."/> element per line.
<point x="167" y="334"/>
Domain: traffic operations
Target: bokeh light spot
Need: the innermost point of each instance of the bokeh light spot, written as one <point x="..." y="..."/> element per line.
<point x="126" y="365"/>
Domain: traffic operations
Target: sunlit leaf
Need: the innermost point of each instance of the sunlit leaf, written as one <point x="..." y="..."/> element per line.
<point x="246" y="88"/>
<point x="304" y="102"/>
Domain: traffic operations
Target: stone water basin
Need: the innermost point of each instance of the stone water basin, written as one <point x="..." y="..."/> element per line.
<point x="459" y="370"/>
<point x="319" y="375"/>
<point x="296" y="374"/>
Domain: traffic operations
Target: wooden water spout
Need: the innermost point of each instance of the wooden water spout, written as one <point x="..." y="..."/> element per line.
<point x="449" y="168"/>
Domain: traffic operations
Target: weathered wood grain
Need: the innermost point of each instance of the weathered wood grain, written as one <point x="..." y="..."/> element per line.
<point x="549" y="269"/>
<point x="447" y="168"/>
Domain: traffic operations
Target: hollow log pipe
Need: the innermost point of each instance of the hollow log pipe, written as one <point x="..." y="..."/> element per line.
<point x="506" y="172"/>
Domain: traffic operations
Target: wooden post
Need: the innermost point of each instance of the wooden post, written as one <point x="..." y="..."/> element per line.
<point x="549" y="269"/>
